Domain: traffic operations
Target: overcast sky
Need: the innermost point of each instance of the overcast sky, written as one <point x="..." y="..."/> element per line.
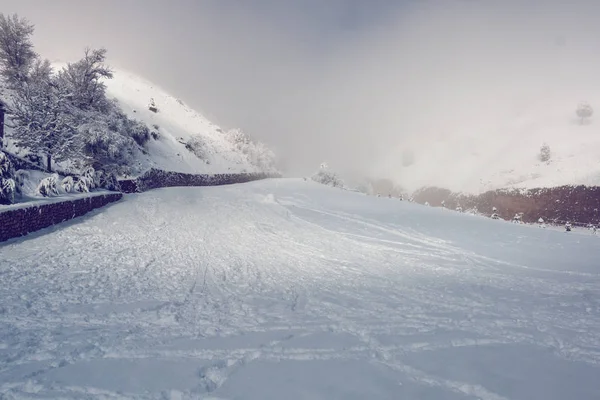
<point x="353" y="82"/>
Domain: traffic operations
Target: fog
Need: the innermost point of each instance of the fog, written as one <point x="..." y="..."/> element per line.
<point x="354" y="83"/>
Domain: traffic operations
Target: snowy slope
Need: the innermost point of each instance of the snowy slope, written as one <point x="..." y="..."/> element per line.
<point x="177" y="123"/>
<point x="497" y="146"/>
<point x="288" y="289"/>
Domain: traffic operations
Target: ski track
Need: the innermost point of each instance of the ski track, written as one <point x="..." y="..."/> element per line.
<point x="196" y="292"/>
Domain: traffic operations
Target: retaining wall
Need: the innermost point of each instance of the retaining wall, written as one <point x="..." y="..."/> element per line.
<point x="21" y="221"/>
<point x="154" y="179"/>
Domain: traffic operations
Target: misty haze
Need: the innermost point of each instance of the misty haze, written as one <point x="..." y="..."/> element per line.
<point x="300" y="199"/>
<point x="473" y="88"/>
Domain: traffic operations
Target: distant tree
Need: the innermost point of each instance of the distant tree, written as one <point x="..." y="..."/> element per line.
<point x="83" y="80"/>
<point x="327" y="177"/>
<point x="545" y="153"/>
<point x="256" y="153"/>
<point x="584" y="111"/>
<point x="16" y="49"/>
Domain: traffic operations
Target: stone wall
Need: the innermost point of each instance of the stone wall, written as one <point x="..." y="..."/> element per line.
<point x="21" y="221"/>
<point x="154" y="179"/>
<point x="579" y="204"/>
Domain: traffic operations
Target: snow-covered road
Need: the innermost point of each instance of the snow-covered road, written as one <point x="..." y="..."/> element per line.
<point x="287" y="289"/>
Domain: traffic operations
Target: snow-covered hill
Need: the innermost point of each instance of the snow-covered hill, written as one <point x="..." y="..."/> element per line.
<point x="497" y="146"/>
<point x="176" y="124"/>
<point x="290" y="289"/>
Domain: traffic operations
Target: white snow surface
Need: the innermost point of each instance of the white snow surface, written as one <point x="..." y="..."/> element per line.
<point x="498" y="147"/>
<point x="289" y="289"/>
<point x="177" y="123"/>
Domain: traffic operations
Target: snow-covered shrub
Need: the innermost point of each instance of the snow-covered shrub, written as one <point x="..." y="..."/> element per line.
<point x="197" y="145"/>
<point x="327" y="177"/>
<point x="67" y="184"/>
<point x="81" y="185"/>
<point x="20" y="177"/>
<point x="584" y="111"/>
<point x="104" y="146"/>
<point x="256" y="153"/>
<point x="89" y="175"/>
<point x="138" y="131"/>
<point x="108" y="181"/>
<point x="545" y="153"/>
<point x="48" y="186"/>
<point x="8" y="187"/>
<point x="86" y="181"/>
<point x="8" y="190"/>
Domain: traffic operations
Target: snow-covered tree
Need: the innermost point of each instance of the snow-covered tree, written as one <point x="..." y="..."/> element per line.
<point x="327" y="177"/>
<point x="16" y="49"/>
<point x="257" y="153"/>
<point x="41" y="117"/>
<point x="545" y="153"/>
<point x="83" y="80"/>
<point x="8" y="188"/>
<point x="584" y="111"/>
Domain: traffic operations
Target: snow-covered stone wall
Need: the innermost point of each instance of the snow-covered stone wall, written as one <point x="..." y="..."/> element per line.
<point x="155" y="179"/>
<point x="21" y="221"/>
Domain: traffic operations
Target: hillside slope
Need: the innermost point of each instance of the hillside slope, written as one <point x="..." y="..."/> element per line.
<point x="183" y="140"/>
<point x="498" y="144"/>
<point x="289" y="289"/>
<point x="177" y="124"/>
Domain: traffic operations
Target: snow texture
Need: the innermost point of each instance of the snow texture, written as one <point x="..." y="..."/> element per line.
<point x="179" y="130"/>
<point x="291" y="289"/>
